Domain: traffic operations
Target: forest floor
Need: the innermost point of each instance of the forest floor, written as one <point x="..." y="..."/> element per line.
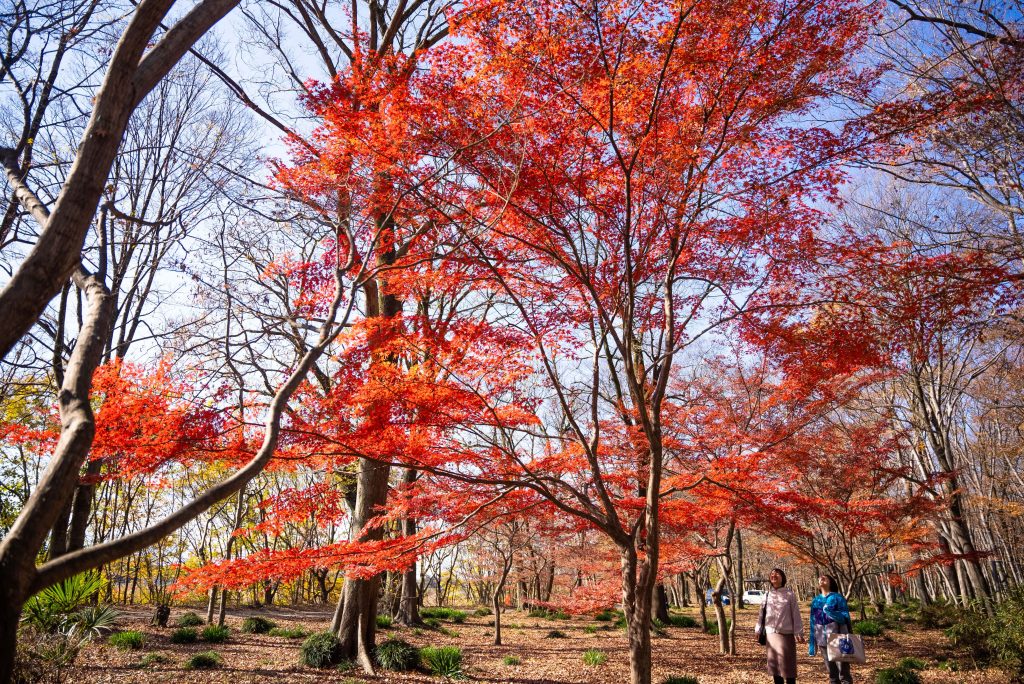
<point x="250" y="658"/>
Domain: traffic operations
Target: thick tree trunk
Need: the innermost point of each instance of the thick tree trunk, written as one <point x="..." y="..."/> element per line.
<point x="638" y="578"/>
<point x="357" y="630"/>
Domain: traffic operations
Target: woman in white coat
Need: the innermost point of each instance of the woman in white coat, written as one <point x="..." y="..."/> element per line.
<point x="783" y="627"/>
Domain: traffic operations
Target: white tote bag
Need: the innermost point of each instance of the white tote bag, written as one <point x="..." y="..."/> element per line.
<point x="846" y="648"/>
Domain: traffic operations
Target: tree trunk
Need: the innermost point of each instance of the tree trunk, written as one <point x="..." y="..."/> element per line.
<point x="659" y="607"/>
<point x="638" y="578"/>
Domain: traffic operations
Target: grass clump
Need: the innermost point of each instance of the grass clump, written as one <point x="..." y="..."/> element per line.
<point x="682" y="621"/>
<point x="437" y="613"/>
<point x="912" y="664"/>
<point x="483" y="612"/>
<point x="257" y="625"/>
<point x="289" y="632"/>
<point x="384" y="622"/>
<point x="127" y="641"/>
<point x="189" y="620"/>
<point x="711" y="627"/>
<point x="184" y="635"/>
<point x="590" y="629"/>
<point x="897" y="675"/>
<point x="207" y="660"/>
<point x="681" y="679"/>
<point x="151" y="659"/>
<point x="320" y="650"/>
<point x="397" y="655"/>
<point x="867" y="628"/>
<point x="555" y="634"/>
<point x="443" y="661"/>
<point x="431" y="623"/>
<point x="215" y="634"/>
<point x="511" y="660"/>
<point x="594" y="657"/>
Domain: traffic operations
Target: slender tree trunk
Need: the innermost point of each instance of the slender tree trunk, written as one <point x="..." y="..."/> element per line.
<point x="659" y="607"/>
<point x="738" y="593"/>
<point x="496" y="601"/>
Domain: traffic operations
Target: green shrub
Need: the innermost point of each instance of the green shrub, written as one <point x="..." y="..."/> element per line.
<point x="548" y="614"/>
<point x="605" y="616"/>
<point x="189" y="620"/>
<point x="215" y="634"/>
<point x="397" y="655"/>
<point x="511" y="660"/>
<point x="320" y="650"/>
<point x="912" y="664"/>
<point x="682" y="621"/>
<point x="594" y="657"/>
<point x="867" y="628"/>
<point x="681" y="679"/>
<point x="289" y="632"/>
<point x="204" y="661"/>
<point x="151" y="659"/>
<point x="938" y="616"/>
<point x="437" y="613"/>
<point x="184" y="635"/>
<point x="51" y="608"/>
<point x="997" y="640"/>
<point x="92" y="621"/>
<point x="897" y="675"/>
<point x="483" y="612"/>
<point x="555" y="634"/>
<point x="431" y="623"/>
<point x="590" y="629"/>
<point x="443" y="661"/>
<point x="711" y="627"/>
<point x="127" y="641"/>
<point x="384" y="622"/>
<point x="257" y="625"/>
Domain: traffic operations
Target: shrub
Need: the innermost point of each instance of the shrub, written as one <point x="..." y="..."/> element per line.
<point x="605" y="616"/>
<point x="682" y="621"/>
<point x="483" y="612"/>
<point x="511" y="660"/>
<point x="203" y="661"/>
<point x="384" y="622"/>
<point x="431" y="623"/>
<point x="998" y="639"/>
<point x="681" y="679"/>
<point x="184" y="635"/>
<point x="189" y="620"/>
<point x="127" y="641"/>
<point x="437" y="613"/>
<point x="938" y="615"/>
<point x="289" y="632"/>
<point x="43" y="656"/>
<point x="867" y="628"/>
<point x="216" y="634"/>
<point x="443" y="661"/>
<point x="590" y="629"/>
<point x="92" y="621"/>
<point x="896" y="675"/>
<point x="51" y="608"/>
<point x="257" y="625"/>
<point x="320" y="650"/>
<point x="912" y="664"/>
<point x="594" y="657"/>
<point x="711" y="627"/>
<point x="397" y="655"/>
<point x="151" y="659"/>
<point x="555" y="634"/>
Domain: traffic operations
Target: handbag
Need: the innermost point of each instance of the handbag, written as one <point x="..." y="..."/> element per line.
<point x="846" y="648"/>
<point x="762" y="633"/>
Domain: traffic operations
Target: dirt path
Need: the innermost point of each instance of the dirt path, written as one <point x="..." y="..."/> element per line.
<point x="543" y="660"/>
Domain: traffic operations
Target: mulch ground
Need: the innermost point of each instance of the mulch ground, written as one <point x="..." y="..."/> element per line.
<point x="681" y="651"/>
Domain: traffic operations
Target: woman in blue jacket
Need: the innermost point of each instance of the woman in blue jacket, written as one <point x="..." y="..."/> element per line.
<point x="829" y="615"/>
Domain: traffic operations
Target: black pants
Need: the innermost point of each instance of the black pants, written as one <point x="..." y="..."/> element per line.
<point x="779" y="680"/>
<point x="838" y="673"/>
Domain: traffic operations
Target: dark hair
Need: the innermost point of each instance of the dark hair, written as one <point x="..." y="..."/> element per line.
<point x="781" y="572"/>
<point x="833" y="585"/>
